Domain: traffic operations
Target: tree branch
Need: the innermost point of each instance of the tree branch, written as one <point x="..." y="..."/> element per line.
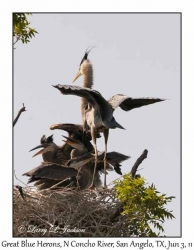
<point x="138" y="162"/>
<point x="17" y="39"/>
<point x="19" y="113"/>
<point x="119" y="209"/>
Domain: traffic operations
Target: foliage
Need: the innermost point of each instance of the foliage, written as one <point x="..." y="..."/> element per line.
<point x="21" y="29"/>
<point x="143" y="206"/>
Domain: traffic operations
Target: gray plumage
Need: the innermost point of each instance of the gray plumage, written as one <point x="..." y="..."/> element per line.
<point x="101" y="115"/>
<point x="76" y="172"/>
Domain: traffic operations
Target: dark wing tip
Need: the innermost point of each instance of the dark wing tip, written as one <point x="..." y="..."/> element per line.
<point x="160" y="99"/>
<point x="118" y="170"/>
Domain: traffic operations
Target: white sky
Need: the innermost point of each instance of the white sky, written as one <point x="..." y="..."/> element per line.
<point x="137" y="55"/>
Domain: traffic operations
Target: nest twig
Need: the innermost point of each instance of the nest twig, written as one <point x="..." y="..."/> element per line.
<point x="66" y="213"/>
<point x="70" y="212"/>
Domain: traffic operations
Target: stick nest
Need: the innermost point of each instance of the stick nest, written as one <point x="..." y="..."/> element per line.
<point x="68" y="213"/>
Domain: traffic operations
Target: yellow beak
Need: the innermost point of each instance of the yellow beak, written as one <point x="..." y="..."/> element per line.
<point x="77" y="76"/>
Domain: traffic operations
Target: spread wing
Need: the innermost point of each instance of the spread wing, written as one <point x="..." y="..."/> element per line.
<point x="127" y="103"/>
<point x="50" y="171"/>
<point x="113" y="158"/>
<point x="47" y="183"/>
<point x="92" y="96"/>
<point x="74" y="130"/>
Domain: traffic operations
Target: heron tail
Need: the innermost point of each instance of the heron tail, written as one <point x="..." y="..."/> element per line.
<point x="113" y="124"/>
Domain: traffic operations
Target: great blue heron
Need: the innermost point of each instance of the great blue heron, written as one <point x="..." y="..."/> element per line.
<point x="55" y="154"/>
<point x="51" y="152"/>
<point x="75" y="131"/>
<point x="76" y="171"/>
<point x="55" y="170"/>
<point x="48" y="174"/>
<point x="86" y="70"/>
<point x="113" y="158"/>
<point x="98" y="115"/>
<point x="58" y="154"/>
<point x="124" y="102"/>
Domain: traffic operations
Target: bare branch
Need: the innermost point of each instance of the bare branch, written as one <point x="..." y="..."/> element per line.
<point x="17" y="39"/>
<point x="18" y="115"/>
<point x="138" y="162"/>
<point x="119" y="209"/>
<point x="19" y="179"/>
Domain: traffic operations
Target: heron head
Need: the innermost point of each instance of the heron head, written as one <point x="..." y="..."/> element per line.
<point x="45" y="142"/>
<point x="85" y="65"/>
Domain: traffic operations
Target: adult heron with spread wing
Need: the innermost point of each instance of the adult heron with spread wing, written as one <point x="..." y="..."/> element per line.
<point x="124" y="102"/>
<point x="98" y="115"/>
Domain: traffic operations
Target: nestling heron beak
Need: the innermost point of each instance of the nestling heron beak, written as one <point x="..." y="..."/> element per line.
<point x="73" y="143"/>
<point x="39" y="152"/>
<point x="77" y="76"/>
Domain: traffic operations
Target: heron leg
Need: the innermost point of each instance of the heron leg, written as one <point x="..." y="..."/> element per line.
<point x="106" y="133"/>
<point x="94" y="134"/>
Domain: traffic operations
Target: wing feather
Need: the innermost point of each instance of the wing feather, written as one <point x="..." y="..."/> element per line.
<point x="51" y="171"/>
<point x="73" y="129"/>
<point x="127" y="103"/>
<point x="93" y="97"/>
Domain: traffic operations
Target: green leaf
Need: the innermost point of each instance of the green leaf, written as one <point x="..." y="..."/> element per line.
<point x="143" y="205"/>
<point x="21" y="29"/>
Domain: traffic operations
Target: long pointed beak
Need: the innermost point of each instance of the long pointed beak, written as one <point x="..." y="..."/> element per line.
<point x="73" y="143"/>
<point x="39" y="152"/>
<point x="77" y="76"/>
<point x="39" y="146"/>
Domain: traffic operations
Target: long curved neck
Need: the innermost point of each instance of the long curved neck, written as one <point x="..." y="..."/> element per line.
<point x="87" y="83"/>
<point x="87" y="74"/>
<point x="88" y="78"/>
